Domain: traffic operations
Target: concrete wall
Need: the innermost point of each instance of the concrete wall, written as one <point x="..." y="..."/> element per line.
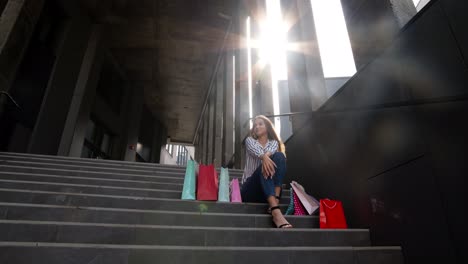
<point x="166" y="158"/>
<point x="391" y="143"/>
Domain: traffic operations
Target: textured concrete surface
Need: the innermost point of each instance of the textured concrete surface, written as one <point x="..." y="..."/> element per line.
<point x="169" y="48"/>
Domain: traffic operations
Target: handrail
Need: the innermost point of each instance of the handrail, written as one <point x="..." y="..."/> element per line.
<point x="11" y="98"/>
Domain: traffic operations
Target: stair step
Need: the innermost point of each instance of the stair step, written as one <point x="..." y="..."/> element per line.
<point x="105" y="164"/>
<point x="48" y="212"/>
<point x="95" y="169"/>
<point x="55" y="253"/>
<point x="105" y="233"/>
<point x="114" y="201"/>
<point x="90" y="181"/>
<point x="179" y="173"/>
<point x="13" y="165"/>
<point x="88" y="172"/>
<point x="91" y="189"/>
<point x="96" y="189"/>
<point x="57" y="209"/>
<point x="84" y="161"/>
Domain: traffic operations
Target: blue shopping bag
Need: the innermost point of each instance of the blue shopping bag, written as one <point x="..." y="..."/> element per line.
<point x="188" y="191"/>
<point x="223" y="190"/>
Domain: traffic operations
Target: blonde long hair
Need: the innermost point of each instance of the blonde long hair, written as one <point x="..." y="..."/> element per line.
<point x="271" y="132"/>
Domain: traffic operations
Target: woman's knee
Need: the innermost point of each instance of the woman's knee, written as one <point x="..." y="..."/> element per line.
<point x="278" y="157"/>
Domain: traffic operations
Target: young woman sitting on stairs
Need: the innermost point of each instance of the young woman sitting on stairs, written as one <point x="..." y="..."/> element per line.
<point x="265" y="168"/>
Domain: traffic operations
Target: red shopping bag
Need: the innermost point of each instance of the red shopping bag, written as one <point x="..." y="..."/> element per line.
<point x="207" y="183"/>
<point x="332" y="214"/>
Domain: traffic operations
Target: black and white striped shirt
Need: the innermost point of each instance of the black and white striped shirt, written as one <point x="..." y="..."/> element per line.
<point x="254" y="152"/>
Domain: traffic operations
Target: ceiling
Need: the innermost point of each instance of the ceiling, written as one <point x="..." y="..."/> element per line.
<point x="168" y="47"/>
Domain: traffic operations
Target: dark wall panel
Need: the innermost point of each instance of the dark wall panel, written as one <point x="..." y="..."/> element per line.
<point x="445" y="129"/>
<point x="406" y="210"/>
<point x="388" y="138"/>
<point x="430" y="57"/>
<point x="391" y="144"/>
<point x="381" y="83"/>
<point x="456" y="11"/>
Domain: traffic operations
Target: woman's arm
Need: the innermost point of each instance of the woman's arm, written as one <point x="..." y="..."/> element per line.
<point x="272" y="148"/>
<point x="253" y="147"/>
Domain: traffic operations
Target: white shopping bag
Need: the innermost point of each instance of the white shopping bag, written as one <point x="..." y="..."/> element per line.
<point x="310" y="203"/>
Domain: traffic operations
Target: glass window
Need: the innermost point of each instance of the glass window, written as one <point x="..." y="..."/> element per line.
<point x="419" y="4"/>
<point x="333" y="39"/>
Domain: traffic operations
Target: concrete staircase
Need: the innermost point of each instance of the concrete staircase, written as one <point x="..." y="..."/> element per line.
<point x="67" y="210"/>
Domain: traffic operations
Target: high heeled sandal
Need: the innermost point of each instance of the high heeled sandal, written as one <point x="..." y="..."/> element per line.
<point x="283" y="225"/>
<point x="269" y="208"/>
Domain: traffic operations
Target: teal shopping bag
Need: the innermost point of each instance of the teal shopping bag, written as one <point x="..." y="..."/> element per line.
<point x="188" y="191"/>
<point x="223" y="190"/>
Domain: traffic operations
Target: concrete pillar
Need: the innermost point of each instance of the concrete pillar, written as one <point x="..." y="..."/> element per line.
<point x="211" y="126"/>
<point x="242" y="90"/>
<point x="315" y="77"/>
<point x="219" y="113"/>
<point x="51" y="120"/>
<point x="229" y="113"/>
<point x="306" y="80"/>
<point x="17" y="24"/>
<point x="159" y="142"/>
<point x="265" y="93"/>
<point x="156" y="143"/>
<point x="373" y="25"/>
<point x="133" y="122"/>
<point x="76" y="123"/>
<point x="238" y="123"/>
<point x="197" y="146"/>
<point x="404" y="10"/>
<point x="206" y="125"/>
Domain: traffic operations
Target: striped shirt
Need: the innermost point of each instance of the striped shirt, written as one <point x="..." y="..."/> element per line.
<point x="254" y="151"/>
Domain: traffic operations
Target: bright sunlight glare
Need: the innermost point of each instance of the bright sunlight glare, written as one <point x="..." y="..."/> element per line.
<point x="273" y="40"/>
<point x="273" y="50"/>
<point x="333" y="39"/>
<point x="249" y="69"/>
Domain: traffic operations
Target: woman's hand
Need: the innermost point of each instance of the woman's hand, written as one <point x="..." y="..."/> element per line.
<point x="268" y="166"/>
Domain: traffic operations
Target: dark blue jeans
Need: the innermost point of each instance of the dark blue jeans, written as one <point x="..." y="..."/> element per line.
<point x="257" y="189"/>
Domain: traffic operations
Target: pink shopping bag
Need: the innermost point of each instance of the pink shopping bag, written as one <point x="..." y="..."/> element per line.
<point x="298" y="207"/>
<point x="235" y="192"/>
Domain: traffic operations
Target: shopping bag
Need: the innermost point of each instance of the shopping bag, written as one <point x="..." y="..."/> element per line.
<point x="188" y="191"/>
<point x="223" y="190"/>
<point x="310" y="203"/>
<point x="290" y="209"/>
<point x="235" y="191"/>
<point x="298" y="207"/>
<point x="332" y="214"/>
<point x="207" y="183"/>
